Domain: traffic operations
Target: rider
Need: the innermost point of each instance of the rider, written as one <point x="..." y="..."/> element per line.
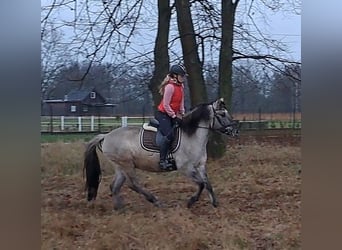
<point x="170" y="110"/>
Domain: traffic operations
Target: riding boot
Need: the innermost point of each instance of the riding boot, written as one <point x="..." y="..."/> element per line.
<point x="164" y="164"/>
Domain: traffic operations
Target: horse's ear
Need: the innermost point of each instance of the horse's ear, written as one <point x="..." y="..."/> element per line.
<point x="222" y="103"/>
<point x="219" y="103"/>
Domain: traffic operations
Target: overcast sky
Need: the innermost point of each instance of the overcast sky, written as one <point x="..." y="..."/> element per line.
<point x="283" y="26"/>
<point x="288" y="29"/>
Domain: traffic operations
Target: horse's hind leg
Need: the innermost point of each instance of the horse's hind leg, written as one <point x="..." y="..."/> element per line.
<point x="115" y="187"/>
<point x="134" y="185"/>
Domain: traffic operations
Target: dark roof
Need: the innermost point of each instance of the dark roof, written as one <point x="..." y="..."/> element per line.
<point x="78" y="95"/>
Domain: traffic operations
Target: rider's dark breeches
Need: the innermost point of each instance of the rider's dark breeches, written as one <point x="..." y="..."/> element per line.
<point x="165" y="125"/>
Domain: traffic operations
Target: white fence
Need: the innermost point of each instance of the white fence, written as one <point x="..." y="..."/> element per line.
<point x="88" y="123"/>
<point x="105" y="124"/>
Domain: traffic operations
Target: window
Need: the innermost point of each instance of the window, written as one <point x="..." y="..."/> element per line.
<point x="85" y="108"/>
<point x="73" y="108"/>
<point x="92" y="95"/>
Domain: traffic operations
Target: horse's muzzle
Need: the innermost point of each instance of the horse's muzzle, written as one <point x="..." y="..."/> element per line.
<point x="233" y="129"/>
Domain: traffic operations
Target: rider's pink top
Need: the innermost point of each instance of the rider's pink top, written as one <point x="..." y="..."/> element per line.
<point x="173" y="99"/>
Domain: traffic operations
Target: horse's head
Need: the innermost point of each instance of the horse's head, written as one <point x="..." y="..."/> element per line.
<point x="222" y="120"/>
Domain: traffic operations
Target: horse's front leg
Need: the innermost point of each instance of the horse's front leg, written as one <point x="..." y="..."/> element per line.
<point x="200" y="177"/>
<point x="212" y="195"/>
<point x="196" y="196"/>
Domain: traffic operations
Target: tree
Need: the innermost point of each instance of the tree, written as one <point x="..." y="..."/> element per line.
<point x="193" y="65"/>
<point x="99" y="77"/>
<point x="226" y="49"/>
<point x="53" y="59"/>
<point x="161" y="53"/>
<point x="285" y="91"/>
<point x="247" y="96"/>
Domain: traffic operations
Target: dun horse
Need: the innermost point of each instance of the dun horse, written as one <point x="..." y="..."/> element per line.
<point x="122" y="146"/>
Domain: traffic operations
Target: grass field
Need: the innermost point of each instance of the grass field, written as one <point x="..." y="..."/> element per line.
<point x="257" y="184"/>
<point x="66" y="137"/>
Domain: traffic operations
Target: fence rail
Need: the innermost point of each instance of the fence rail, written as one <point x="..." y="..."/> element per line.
<point x="55" y="124"/>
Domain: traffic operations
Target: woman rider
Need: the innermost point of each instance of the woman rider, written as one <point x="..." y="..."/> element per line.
<point x="170" y="110"/>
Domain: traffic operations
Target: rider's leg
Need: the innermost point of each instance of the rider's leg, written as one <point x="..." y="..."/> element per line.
<point x="164" y="149"/>
<point x="166" y="129"/>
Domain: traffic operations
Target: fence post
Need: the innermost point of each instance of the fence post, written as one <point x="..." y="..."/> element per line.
<point x="259" y="111"/>
<point x="51" y="119"/>
<point x="79" y="123"/>
<point x="62" y="122"/>
<point x="92" y="123"/>
<point x="124" y="121"/>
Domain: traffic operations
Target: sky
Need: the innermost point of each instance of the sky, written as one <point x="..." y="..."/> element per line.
<point x="288" y="29"/>
<point x="284" y="27"/>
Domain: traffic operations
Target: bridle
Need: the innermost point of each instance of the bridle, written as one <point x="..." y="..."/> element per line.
<point x="232" y="129"/>
<point x="219" y="119"/>
<point x="212" y="125"/>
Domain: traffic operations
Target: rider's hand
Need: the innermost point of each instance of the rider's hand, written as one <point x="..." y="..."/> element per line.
<point x="178" y="121"/>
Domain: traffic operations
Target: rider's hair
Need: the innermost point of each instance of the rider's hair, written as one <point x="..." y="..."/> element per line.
<point x="164" y="82"/>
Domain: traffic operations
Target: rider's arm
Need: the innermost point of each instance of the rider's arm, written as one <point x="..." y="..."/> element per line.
<point x="168" y="92"/>
<point x="182" y="109"/>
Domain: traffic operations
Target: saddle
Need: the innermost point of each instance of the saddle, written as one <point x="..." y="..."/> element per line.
<point x="148" y="138"/>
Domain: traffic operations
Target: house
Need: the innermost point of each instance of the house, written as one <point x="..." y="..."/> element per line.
<point x="85" y="102"/>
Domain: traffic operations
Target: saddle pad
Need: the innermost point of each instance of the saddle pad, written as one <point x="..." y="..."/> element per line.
<point x="148" y="140"/>
<point x="148" y="127"/>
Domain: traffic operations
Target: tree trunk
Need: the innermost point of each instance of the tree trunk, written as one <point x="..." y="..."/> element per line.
<point x="217" y="143"/>
<point x="161" y="54"/>
<point x="193" y="65"/>
<point x="226" y="51"/>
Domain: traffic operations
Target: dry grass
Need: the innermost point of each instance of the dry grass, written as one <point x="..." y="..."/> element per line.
<point x="267" y="116"/>
<point x="257" y="185"/>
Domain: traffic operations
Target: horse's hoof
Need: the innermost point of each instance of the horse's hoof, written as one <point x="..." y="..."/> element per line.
<point x="158" y="204"/>
<point x="118" y="203"/>
<point x="215" y="204"/>
<point x="118" y="208"/>
<point x="121" y="210"/>
<point x="91" y="204"/>
<point x="191" y="201"/>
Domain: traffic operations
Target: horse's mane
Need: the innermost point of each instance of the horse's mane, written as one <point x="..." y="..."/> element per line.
<point x="192" y="119"/>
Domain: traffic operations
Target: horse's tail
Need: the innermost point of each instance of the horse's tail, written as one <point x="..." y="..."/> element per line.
<point x="92" y="167"/>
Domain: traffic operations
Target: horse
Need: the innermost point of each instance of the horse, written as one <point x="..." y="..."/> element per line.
<point x="123" y="148"/>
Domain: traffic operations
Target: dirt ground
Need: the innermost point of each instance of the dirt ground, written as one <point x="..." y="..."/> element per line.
<point x="257" y="184"/>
